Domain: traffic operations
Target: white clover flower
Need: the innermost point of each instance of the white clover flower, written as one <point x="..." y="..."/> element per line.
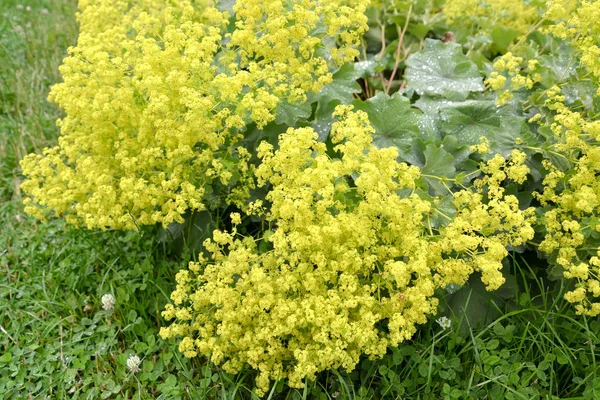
<point x="20" y="6"/>
<point x="108" y="302"/>
<point x="133" y="363"/>
<point x="444" y="322"/>
<point x="28" y="8"/>
<point x="44" y="11"/>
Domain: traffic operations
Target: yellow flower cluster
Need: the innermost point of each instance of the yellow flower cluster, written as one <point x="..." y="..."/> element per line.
<point x="157" y="93"/>
<point x="571" y="197"/>
<point x="353" y="260"/>
<point x="574" y="203"/>
<point x="486" y="14"/>
<point x="577" y="21"/>
<point x="511" y="73"/>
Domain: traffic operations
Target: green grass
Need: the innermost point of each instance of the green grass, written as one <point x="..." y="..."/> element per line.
<point x="33" y="42"/>
<point x="56" y="341"/>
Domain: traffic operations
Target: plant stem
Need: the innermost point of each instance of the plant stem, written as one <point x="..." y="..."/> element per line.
<point x="400" y="41"/>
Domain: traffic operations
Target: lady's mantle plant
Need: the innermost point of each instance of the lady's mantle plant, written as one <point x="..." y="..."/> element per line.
<point x="362" y="161"/>
<point x="156" y="94"/>
<point x="352" y="266"/>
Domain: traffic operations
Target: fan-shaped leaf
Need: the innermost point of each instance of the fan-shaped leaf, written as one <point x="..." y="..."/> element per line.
<point x="441" y="69"/>
<point x="396" y="123"/>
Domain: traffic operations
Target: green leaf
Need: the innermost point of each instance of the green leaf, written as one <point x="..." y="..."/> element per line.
<point x="560" y="63"/>
<point x="460" y="151"/>
<point x="396" y="123"/>
<point x="492" y="344"/>
<point x="170" y="233"/>
<point x="323" y="119"/>
<point x="444" y="210"/>
<point x="581" y="94"/>
<point x="502" y="38"/>
<point x="561" y="358"/>
<point x="226" y="5"/>
<point x="343" y="87"/>
<point x="514" y="133"/>
<point x="6" y="357"/>
<point x="441" y="69"/>
<point x="439" y="165"/>
<point x="424" y="370"/>
<point x="419" y="30"/>
<point x="364" y="69"/>
<point x="197" y="227"/>
<point x="443" y="117"/>
<point x="253" y="136"/>
<point x="383" y="369"/>
<point x="289" y="113"/>
<point x="430" y="120"/>
<point x="475" y="303"/>
<point x="470" y="121"/>
<point x="397" y="356"/>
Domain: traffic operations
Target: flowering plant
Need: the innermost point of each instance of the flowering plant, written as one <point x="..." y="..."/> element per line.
<point x="349" y="187"/>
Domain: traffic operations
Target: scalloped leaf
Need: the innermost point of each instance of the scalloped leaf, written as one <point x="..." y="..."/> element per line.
<point x="471" y="120"/>
<point x="323" y="119"/>
<point x="396" y="123"/>
<point x="344" y="85"/>
<point x="289" y="113"/>
<point x="439" y="165"/>
<point x="441" y="69"/>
